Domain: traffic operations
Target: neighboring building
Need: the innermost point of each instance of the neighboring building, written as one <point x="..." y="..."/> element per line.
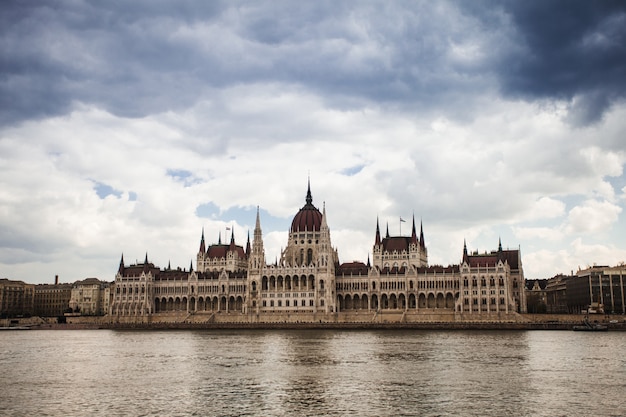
<point x="556" y="294"/>
<point x="16" y="298"/>
<point x="536" y="296"/>
<point x="309" y="279"/>
<point x="52" y="300"/>
<point x="598" y="289"/>
<point x="90" y="297"/>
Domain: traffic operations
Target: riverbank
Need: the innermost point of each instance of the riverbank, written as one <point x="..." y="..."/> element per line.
<point x="345" y="321"/>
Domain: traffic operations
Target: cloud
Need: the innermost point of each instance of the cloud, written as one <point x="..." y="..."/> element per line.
<point x="592" y="216"/>
<point x="580" y="60"/>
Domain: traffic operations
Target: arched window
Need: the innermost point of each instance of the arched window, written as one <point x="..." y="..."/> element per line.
<point x="309" y="256"/>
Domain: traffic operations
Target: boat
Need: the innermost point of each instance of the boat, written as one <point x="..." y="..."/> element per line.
<point x="590" y="327"/>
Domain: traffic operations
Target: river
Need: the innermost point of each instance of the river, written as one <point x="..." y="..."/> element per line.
<point x="312" y="373"/>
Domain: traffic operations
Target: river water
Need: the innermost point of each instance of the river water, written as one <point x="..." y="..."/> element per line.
<point x="312" y="373"/>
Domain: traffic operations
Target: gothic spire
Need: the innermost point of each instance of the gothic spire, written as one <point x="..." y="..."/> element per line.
<point x="258" y="220"/>
<point x="202" y="247"/>
<point x="232" y="238"/>
<point x="413" y="233"/>
<point x="121" y="268"/>
<point x="422" y="235"/>
<point x="387" y="235"/>
<point x="465" y="257"/>
<point x="377" y="241"/>
<point x="309" y="198"/>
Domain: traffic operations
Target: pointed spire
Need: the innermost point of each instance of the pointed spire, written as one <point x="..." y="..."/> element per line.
<point x="146" y="260"/>
<point x="169" y="266"/>
<point x="202" y="246"/>
<point x="413" y="233"/>
<point x="368" y="261"/>
<point x="232" y="238"/>
<point x="500" y="253"/>
<point x="258" y="220"/>
<point x="377" y="240"/>
<point x="121" y="268"/>
<point x="465" y="256"/>
<point x="387" y="235"/>
<point x="248" y="244"/>
<point x="219" y="239"/>
<point x="422" y="235"/>
<point x="324" y="224"/>
<point x="309" y="198"/>
<point x="191" y="266"/>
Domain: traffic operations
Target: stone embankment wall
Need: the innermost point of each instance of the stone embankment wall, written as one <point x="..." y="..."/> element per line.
<point x="352" y="320"/>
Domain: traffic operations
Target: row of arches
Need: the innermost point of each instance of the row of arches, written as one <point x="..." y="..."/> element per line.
<point x="397" y="302"/>
<point x="287" y="283"/>
<point x="194" y="304"/>
<point x="348" y="302"/>
<point x="129" y="309"/>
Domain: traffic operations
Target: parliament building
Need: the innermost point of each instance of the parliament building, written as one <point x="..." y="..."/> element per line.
<point x="308" y="283"/>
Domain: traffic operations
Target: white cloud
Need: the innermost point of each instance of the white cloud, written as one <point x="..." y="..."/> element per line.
<point x="538" y="233"/>
<point x="592" y="216"/>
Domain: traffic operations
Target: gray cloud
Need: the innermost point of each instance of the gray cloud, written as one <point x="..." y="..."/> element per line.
<point x="570" y="50"/>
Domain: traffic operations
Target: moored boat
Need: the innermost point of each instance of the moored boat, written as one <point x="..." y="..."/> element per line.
<point x="590" y="327"/>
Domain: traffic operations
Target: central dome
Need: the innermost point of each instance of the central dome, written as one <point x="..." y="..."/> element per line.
<point x="308" y="218"/>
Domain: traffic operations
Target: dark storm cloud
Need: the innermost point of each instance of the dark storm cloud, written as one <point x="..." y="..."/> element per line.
<point x="571" y="50"/>
<point x="138" y="58"/>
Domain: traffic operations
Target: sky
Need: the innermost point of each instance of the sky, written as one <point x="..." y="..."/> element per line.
<point x="131" y="127"/>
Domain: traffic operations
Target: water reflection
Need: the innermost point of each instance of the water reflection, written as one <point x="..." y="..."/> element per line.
<point x="369" y="373"/>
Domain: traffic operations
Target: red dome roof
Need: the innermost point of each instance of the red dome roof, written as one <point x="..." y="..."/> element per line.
<point x="308" y="218"/>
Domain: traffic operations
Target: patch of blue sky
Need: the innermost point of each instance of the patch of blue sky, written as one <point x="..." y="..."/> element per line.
<point x="105" y="190"/>
<point x="208" y="210"/>
<point x="185" y="177"/>
<point x="618" y="183"/>
<point x="350" y="171"/>
<point x="243" y="215"/>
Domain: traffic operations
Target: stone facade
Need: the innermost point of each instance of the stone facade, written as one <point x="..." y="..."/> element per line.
<point x="52" y="300"/>
<point x="90" y="297"/>
<point x="16" y="298"/>
<point x="309" y="281"/>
